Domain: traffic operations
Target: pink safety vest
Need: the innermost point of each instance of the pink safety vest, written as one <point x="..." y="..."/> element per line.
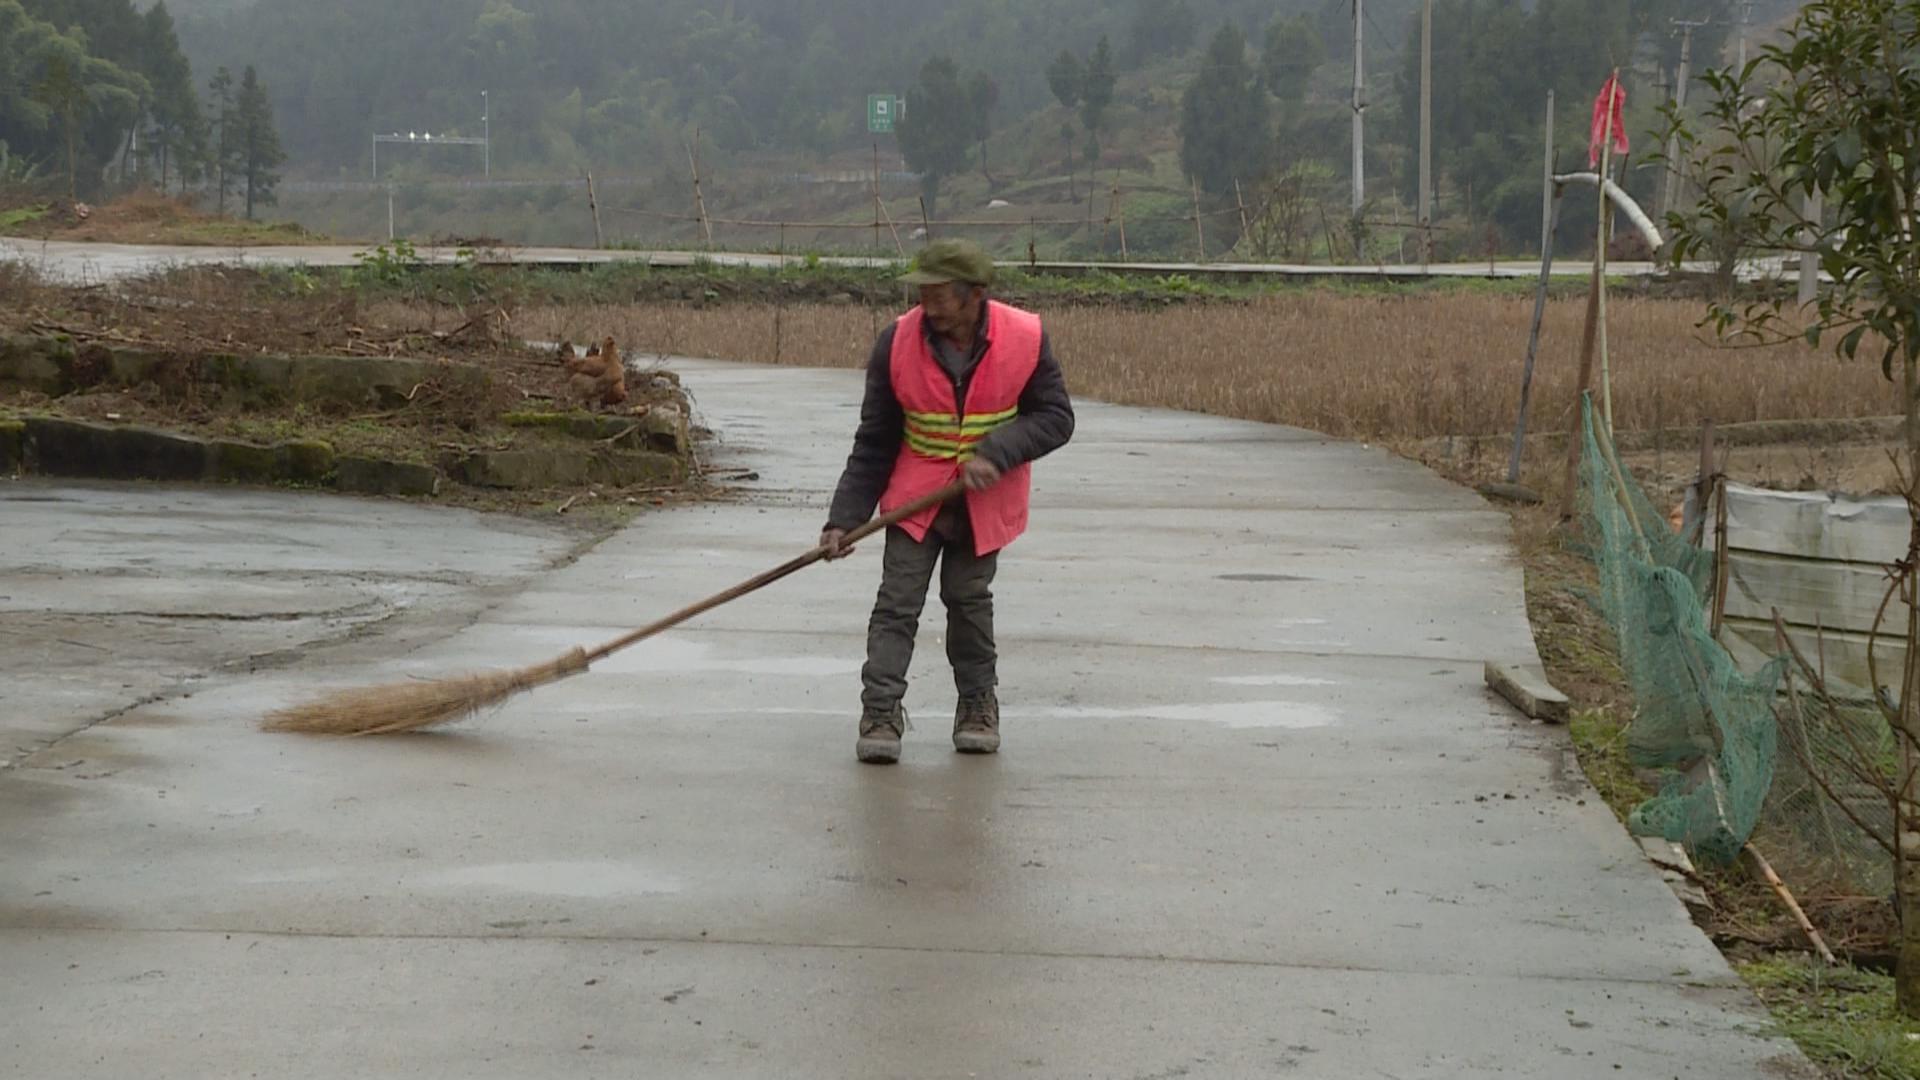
<point x="941" y="434"/>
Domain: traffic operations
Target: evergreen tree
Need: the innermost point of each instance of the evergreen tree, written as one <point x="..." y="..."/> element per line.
<point x="223" y="138"/>
<point x="64" y="97"/>
<point x="1293" y="52"/>
<point x="1096" y="93"/>
<point x="175" y="107"/>
<point x="59" y="102"/>
<point x="259" y="145"/>
<point x="1160" y="28"/>
<point x="983" y="94"/>
<point x="1067" y="79"/>
<point x="1225" y="129"/>
<point x="939" y="126"/>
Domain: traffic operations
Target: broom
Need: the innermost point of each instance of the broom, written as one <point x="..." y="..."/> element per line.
<point x="411" y="706"/>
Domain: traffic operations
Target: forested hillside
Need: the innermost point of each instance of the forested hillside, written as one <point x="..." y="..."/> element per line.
<point x="572" y="83"/>
<point x="1234" y="96"/>
<point x="577" y="79"/>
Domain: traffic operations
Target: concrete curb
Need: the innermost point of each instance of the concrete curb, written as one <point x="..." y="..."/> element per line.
<point x="1525" y="686"/>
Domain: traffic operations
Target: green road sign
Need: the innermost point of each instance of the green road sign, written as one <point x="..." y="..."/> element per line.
<point x="884" y="111"/>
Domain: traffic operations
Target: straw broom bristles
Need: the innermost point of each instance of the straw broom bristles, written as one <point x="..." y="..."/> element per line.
<point x="413" y="706"/>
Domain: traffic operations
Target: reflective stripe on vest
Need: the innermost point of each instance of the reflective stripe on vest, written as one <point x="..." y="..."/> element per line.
<point x="945" y="436"/>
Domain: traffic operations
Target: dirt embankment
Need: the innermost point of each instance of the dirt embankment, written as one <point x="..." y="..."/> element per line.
<point x="143" y="217"/>
<point x="227" y="375"/>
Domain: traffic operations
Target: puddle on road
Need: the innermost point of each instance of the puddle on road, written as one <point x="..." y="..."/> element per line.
<point x="1302" y="624"/>
<point x="579" y="880"/>
<point x="694" y="556"/>
<point x="1295" y="715"/>
<point x="671" y="655"/>
<point x="1274" y="680"/>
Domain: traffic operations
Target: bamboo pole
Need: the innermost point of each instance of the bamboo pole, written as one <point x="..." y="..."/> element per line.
<point x="1533" y="336"/>
<point x="1802" y="743"/>
<point x="1703" y="486"/>
<point x="880" y="210"/>
<point x="1583" y="380"/>
<point x="1600" y="247"/>
<point x="1596" y="333"/>
<point x="699" y="199"/>
<point x="1199" y="231"/>
<point x="599" y="238"/>
<point x="1793" y="906"/>
<point x="779" y="298"/>
<point x="897" y="248"/>
<point x="1718" y="616"/>
<point x="1242" y="202"/>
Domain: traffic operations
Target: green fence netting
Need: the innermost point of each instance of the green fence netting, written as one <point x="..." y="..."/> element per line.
<point x="1706" y="728"/>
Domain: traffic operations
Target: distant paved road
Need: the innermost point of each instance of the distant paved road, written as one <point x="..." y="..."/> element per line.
<point x="86" y="262"/>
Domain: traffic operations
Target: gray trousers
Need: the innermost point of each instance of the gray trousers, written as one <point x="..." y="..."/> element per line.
<point x="966" y="588"/>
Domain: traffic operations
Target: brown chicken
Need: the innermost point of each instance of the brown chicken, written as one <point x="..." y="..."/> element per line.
<point x="598" y="378"/>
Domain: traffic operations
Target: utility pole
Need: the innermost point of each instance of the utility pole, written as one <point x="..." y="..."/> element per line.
<point x="1746" y="20"/>
<point x="486" y="122"/>
<point x="1359" y="107"/>
<point x="1671" y="193"/>
<point x="1426" y="133"/>
<point x="1809" y="261"/>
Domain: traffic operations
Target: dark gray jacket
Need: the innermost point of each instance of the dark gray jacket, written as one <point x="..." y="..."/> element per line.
<point x="1044" y="425"/>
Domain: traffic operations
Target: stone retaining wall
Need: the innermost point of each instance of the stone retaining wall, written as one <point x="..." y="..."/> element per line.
<point x="56" y="446"/>
<point x="57" y="365"/>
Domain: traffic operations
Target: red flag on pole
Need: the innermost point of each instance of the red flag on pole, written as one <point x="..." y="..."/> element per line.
<point x="1609" y="109"/>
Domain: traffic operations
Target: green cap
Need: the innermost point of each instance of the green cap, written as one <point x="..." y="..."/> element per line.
<point x="950" y="260"/>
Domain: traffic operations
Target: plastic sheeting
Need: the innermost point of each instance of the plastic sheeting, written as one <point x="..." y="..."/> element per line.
<point x="1820" y="559"/>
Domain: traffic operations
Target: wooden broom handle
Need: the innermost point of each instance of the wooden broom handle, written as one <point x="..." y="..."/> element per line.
<point x="763" y="580"/>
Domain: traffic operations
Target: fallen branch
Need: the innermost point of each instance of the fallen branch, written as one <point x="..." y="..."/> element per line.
<point x="1780" y="889"/>
<point x="74" y="331"/>
<point x="446" y="335"/>
<point x="1684" y="871"/>
<point x="612" y="439"/>
<point x="1855" y="762"/>
<point x="1722" y="937"/>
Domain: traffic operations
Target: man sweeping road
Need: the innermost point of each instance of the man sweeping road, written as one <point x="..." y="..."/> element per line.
<point x="960" y="387"/>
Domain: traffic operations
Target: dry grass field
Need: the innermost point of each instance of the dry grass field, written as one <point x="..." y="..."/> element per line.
<point x="1355" y="366"/>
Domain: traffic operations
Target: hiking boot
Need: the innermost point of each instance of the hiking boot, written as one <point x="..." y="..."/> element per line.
<point x="976" y="723"/>
<point x="880" y="736"/>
